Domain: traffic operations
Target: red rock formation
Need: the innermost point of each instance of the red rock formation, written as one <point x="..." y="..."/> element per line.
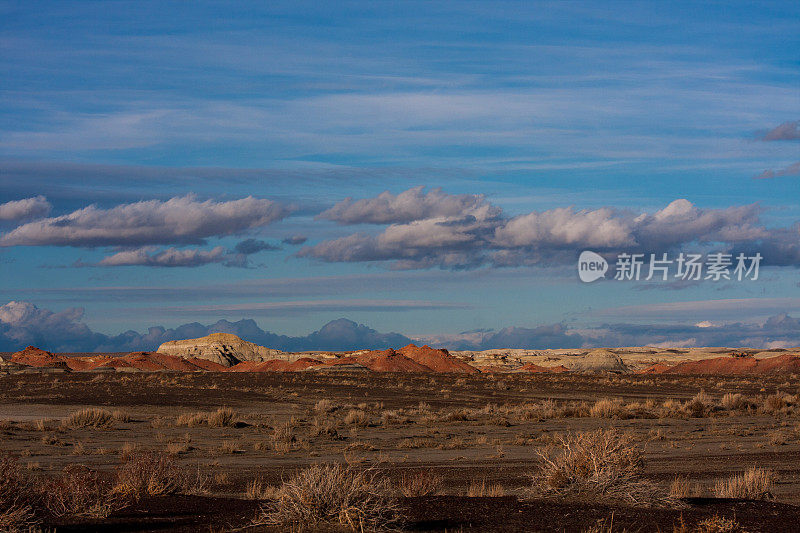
<point x="785" y="363"/>
<point x="436" y="360"/>
<point x="383" y="361"/>
<point x="535" y="369"/>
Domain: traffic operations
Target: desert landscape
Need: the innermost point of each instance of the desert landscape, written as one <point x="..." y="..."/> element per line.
<point x="220" y="434"/>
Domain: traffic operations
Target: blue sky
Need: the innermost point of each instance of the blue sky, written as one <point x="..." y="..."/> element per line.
<point x="164" y="112"/>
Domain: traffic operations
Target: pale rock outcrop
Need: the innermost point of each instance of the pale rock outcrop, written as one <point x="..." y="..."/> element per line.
<point x="225" y="349"/>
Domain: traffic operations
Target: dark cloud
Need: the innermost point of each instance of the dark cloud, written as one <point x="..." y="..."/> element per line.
<point x="253" y="246"/>
<point x="791" y="170"/>
<point x="35" y="207"/>
<point x="788" y="131"/>
<point x="487" y="237"/>
<point x="23" y="324"/>
<point x="295" y="240"/>
<point x="180" y="220"/>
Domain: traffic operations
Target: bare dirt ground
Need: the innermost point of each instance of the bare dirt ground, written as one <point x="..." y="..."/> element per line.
<point x="477" y="434"/>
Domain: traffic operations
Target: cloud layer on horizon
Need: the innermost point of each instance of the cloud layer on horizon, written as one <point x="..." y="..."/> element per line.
<point x="22" y="323"/>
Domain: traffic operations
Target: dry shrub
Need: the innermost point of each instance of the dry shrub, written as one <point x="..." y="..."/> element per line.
<point x="700" y="405"/>
<point x="754" y="484"/>
<point x="222" y="417"/>
<point x="80" y="492"/>
<point x="601" y="464"/>
<point x="283" y="437"/>
<point x="424" y="483"/>
<point x="481" y="489"/>
<point x="90" y="417"/>
<point x="121" y="416"/>
<point x="603" y="408"/>
<point x="735" y="402"/>
<point x="258" y="489"/>
<point x="356" y="417"/>
<point x="325" y="406"/>
<point x="148" y="474"/>
<point x="777" y="403"/>
<point x="715" y="524"/>
<point x="19" y="501"/>
<point x="359" y="500"/>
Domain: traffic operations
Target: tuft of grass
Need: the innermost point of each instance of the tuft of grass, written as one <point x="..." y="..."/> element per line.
<point x="258" y="489"/>
<point x="356" y="417"/>
<point x="481" y="489"/>
<point x="148" y="474"/>
<point x="424" y="483"/>
<point x="356" y="499"/>
<point x="754" y="484"/>
<point x="90" y="418"/>
<point x="603" y="408"/>
<point x="222" y="417"/>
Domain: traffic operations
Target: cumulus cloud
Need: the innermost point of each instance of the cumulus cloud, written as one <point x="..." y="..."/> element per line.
<point x="788" y="131"/>
<point x="180" y="220"/>
<point x="486" y="236"/>
<point x="170" y="257"/>
<point x="413" y="204"/>
<point x="791" y="170"/>
<point x="38" y="206"/>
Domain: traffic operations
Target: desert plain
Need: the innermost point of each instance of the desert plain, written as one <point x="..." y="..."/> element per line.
<point x="215" y="434"/>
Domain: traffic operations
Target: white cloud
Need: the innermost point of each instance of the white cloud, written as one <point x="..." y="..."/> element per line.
<point x="38" y="206"/>
<point x="171" y="257"/>
<point x="180" y="220"/>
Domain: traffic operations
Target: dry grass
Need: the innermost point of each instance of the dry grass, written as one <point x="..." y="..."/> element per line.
<point x="148" y="474"/>
<point x="715" y="524"/>
<point x="258" y="489"/>
<point x="80" y="492"/>
<point x="598" y="464"/>
<point x="603" y="408"/>
<point x="424" y="483"/>
<point x="19" y="501"/>
<point x="754" y="484"/>
<point x="358" y="500"/>
<point x="480" y="489"/>
<point x="222" y="417"/>
<point x="90" y="417"/>
<point x="356" y="417"/>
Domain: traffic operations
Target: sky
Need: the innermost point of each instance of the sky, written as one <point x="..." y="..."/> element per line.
<point x="359" y="174"/>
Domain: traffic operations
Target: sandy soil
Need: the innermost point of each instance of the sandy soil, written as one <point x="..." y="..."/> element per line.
<point x="466" y="428"/>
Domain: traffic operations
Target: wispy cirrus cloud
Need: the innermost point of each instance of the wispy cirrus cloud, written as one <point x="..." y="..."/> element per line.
<point x="791" y="170"/>
<point x="170" y="257"/>
<point x="788" y="131"/>
<point x="35" y="207"/>
<point x="180" y="220"/>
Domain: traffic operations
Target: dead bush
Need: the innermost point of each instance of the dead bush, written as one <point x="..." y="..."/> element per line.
<point x="80" y="492"/>
<point x="359" y="500"/>
<point x="19" y="500"/>
<point x="222" y="417"/>
<point x="424" y="483"/>
<point x="700" y="405"/>
<point x="356" y="417"/>
<point x="90" y="417"/>
<point x="482" y="489"/>
<point x="754" y="484"/>
<point x="602" y="464"/>
<point x="603" y="408"/>
<point x="148" y="474"/>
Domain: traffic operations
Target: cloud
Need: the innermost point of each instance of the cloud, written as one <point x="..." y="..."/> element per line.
<point x="791" y="170"/>
<point x="171" y="257"/>
<point x="38" y="206"/>
<point x="253" y="246"/>
<point x="22" y="323"/>
<point x="180" y="220"/>
<point x="788" y="131"/>
<point x="485" y="236"/>
<point x="413" y="204"/>
<point x="295" y="239"/>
